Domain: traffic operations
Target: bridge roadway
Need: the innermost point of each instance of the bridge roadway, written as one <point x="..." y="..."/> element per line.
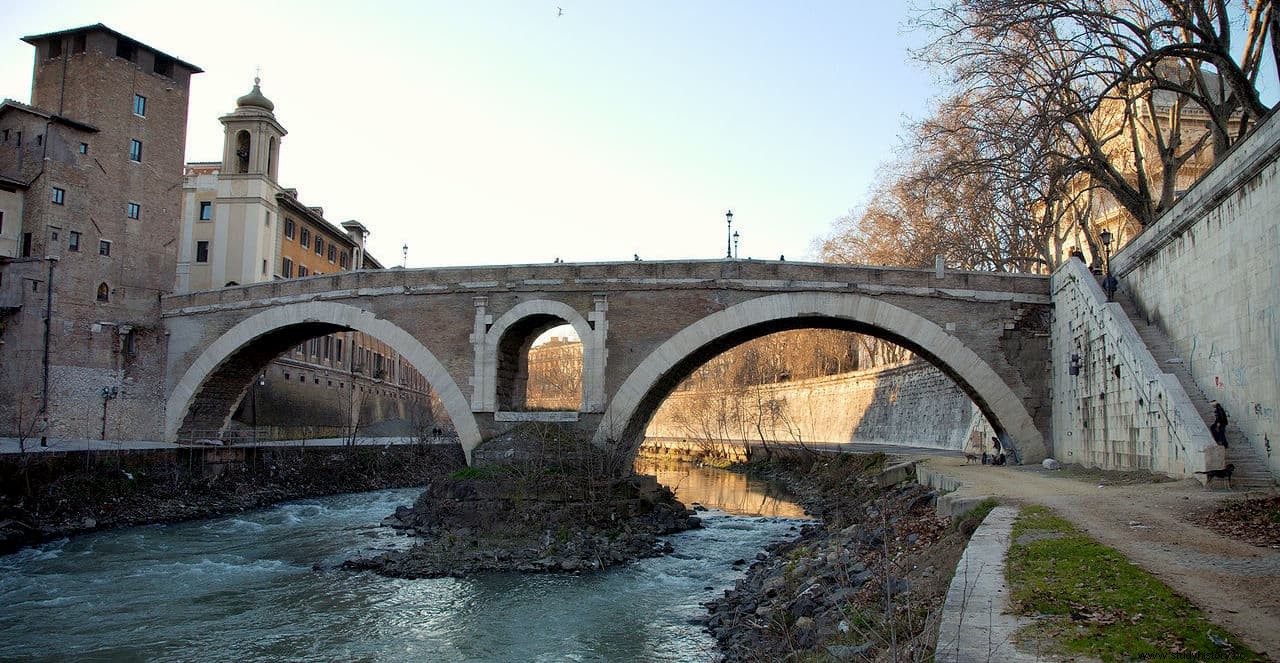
<point x="644" y="326"/>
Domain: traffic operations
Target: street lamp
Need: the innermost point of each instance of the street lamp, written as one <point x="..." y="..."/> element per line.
<point x="404" y="253"/>
<point x="728" y="242"/>
<point x="1108" y="281"/>
<point x="735" y="245"/>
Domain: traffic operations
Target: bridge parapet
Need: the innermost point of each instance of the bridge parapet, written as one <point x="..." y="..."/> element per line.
<point x="758" y="275"/>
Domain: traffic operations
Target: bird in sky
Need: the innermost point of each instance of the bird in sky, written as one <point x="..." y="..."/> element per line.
<point x="559" y="11"/>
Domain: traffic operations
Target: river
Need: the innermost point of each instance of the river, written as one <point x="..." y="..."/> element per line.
<point x="265" y="585"/>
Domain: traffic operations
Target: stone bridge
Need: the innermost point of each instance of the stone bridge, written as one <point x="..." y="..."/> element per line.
<point x="644" y="327"/>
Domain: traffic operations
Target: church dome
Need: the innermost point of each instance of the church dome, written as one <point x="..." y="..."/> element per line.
<point x="256" y="99"/>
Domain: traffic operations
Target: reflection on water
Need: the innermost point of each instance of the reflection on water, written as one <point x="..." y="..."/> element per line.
<point x="730" y="492"/>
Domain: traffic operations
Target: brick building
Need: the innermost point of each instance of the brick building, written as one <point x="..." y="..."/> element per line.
<point x="90" y="175"/>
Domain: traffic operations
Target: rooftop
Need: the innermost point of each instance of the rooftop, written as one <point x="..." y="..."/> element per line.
<point x="34" y="39"/>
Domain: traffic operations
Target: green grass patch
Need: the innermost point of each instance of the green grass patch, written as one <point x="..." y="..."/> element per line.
<point x="483" y="472"/>
<point x="1094" y="602"/>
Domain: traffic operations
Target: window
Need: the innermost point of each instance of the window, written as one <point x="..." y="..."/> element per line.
<point x="135" y="150"/>
<point x="163" y="66"/>
<point x="139" y="105"/>
<point x="302" y="271"/>
<point x="267" y="223"/>
<point x="337" y="350"/>
<point x="55" y="47"/>
<point x="78" y="43"/>
<point x="333" y="253"/>
<point x="84" y="148"/>
<point x="305" y="237"/>
<point x="319" y="245"/>
<point x="59" y="196"/>
<point x="133" y="210"/>
<point x="202" y="251"/>
<point x="39" y="140"/>
<point x="206" y="211"/>
<point x="104" y="293"/>
<point x="344" y="260"/>
<point x="288" y="228"/>
<point x="126" y="49"/>
<point x="73" y="242"/>
<point x="1" y="221"/>
<point x="53" y="236"/>
<point x="242" y="151"/>
<point x="286" y="268"/>
<point x="104" y="247"/>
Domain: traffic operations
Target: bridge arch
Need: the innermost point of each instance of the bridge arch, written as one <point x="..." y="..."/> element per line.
<point x="639" y="396"/>
<point x="527" y="320"/>
<point x="204" y="397"/>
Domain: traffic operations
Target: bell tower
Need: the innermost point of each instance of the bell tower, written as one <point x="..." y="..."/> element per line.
<point x="245" y="246"/>
<point x="252" y="137"/>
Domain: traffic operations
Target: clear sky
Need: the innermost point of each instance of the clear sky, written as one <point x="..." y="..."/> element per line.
<point x="487" y="132"/>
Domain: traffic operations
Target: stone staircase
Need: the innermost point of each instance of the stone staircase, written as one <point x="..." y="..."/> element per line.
<point x="1251" y="469"/>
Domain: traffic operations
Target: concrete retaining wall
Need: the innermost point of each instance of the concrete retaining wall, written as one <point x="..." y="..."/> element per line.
<point x="1208" y="274"/>
<point x="1120" y="411"/>
<point x="910" y="404"/>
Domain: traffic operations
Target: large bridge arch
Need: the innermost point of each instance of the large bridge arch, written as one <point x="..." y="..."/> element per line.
<point x="204" y="396"/>
<point x="640" y="394"/>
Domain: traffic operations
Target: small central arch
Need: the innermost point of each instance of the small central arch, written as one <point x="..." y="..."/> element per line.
<point x="205" y="396"/>
<point x="640" y="395"/>
<point x="502" y="356"/>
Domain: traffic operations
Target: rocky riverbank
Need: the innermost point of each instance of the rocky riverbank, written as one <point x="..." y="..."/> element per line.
<point x="866" y="582"/>
<point x="512" y="519"/>
<point x="45" y="496"/>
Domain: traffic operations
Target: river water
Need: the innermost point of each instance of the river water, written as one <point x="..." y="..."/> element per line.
<point x="264" y="585"/>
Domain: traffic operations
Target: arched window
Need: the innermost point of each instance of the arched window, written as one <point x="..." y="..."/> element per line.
<point x="271" y="158"/>
<point x="242" y="152"/>
<point x="104" y="293"/>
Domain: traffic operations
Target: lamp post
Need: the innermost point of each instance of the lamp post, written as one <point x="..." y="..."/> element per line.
<point x="258" y="383"/>
<point x="404" y="256"/>
<point x="735" y="245"/>
<point x="728" y="242"/>
<point x="1108" y="281"/>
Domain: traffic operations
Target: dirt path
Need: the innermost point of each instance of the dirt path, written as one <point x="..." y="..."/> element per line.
<point x="1236" y="584"/>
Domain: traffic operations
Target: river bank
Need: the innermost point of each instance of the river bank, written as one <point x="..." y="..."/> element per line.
<point x="867" y="578"/>
<point x="52" y="495"/>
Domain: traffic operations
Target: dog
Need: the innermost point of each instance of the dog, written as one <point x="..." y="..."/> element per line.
<point x="1224" y="473"/>
<point x="970" y="458"/>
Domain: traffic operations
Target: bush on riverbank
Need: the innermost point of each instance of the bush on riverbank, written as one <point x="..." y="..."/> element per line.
<point x="48" y="495"/>
<point x="866" y="582"/>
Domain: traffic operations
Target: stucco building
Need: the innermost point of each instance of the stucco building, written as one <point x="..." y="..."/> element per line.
<point x="240" y="226"/>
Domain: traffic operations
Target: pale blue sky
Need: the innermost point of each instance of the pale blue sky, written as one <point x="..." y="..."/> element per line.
<point x="497" y="132"/>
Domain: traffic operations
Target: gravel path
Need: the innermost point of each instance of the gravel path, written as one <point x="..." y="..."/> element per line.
<point x="1235" y="583"/>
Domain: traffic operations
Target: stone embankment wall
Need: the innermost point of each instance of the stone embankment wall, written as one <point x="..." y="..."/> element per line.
<point x="301" y="401"/>
<point x="911" y="404"/>
<point x="1116" y="409"/>
<point x="1208" y="274"/>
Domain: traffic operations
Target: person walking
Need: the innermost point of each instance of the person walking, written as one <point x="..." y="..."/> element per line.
<point x="1218" y="429"/>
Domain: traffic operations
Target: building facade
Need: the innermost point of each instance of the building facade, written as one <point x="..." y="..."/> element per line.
<point x="90" y="175"/>
<point x="240" y="226"/>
